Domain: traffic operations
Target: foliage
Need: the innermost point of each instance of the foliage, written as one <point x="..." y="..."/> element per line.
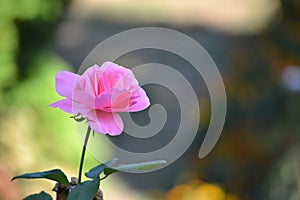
<point x="40" y="196"/>
<point x="55" y="175"/>
<point x="88" y="189"/>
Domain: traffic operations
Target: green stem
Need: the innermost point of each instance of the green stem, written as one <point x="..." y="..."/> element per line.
<point x="83" y="153"/>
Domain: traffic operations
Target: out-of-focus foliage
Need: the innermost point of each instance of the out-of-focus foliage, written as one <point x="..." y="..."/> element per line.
<point x="231" y="16"/>
<point x="255" y="158"/>
<point x="263" y="121"/>
<point x="284" y="177"/>
<point x="10" y="12"/>
<point x="32" y="136"/>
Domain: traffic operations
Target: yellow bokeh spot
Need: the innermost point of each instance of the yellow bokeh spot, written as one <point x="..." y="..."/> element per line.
<point x="198" y="190"/>
<point x="208" y="192"/>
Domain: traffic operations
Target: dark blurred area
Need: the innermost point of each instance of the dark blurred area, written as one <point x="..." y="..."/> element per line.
<point x="257" y="156"/>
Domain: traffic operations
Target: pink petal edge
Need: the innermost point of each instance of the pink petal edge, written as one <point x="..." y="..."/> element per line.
<point x="65" y="83"/>
<point x="105" y="122"/>
<point x="140" y="101"/>
<point x="65" y="105"/>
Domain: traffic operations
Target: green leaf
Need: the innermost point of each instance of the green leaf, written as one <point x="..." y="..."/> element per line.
<point x="41" y="196"/>
<point x="144" y="166"/>
<point x="109" y="171"/>
<point x="55" y="175"/>
<point x="96" y="171"/>
<point x="87" y="190"/>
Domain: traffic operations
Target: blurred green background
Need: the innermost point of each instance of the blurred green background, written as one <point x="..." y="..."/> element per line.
<point x="255" y="43"/>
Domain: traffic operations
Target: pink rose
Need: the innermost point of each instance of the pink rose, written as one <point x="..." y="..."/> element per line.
<point x="99" y="93"/>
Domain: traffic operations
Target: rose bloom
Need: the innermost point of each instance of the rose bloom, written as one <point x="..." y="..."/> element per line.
<point x="99" y="94"/>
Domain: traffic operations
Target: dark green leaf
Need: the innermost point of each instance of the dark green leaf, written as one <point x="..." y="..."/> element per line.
<point x="144" y="166"/>
<point x="109" y="171"/>
<point x="41" y="196"/>
<point x="55" y="175"/>
<point x="96" y="171"/>
<point x="85" y="191"/>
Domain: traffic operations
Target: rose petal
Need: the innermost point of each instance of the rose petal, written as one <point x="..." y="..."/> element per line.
<point x="70" y="106"/>
<point x="65" y="105"/>
<point x="65" y="83"/>
<point x="114" y="100"/>
<point x="139" y="100"/>
<point x="105" y="122"/>
<point x="103" y="102"/>
<point x="119" y="77"/>
<point x="84" y="98"/>
<point x="88" y="81"/>
<point x="121" y="101"/>
<point x="91" y="70"/>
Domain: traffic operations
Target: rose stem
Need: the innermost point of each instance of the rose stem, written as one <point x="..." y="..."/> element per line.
<point x="83" y="153"/>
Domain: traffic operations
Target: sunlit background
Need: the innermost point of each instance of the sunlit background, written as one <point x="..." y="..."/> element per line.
<point x="255" y="44"/>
